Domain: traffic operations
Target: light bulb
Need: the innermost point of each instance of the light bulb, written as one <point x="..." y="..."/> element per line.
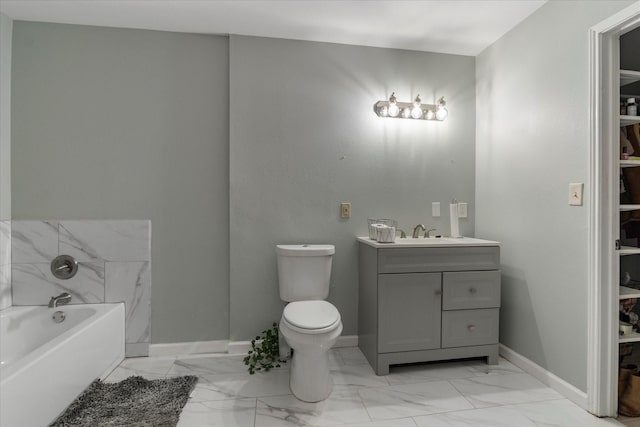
<point x="416" y="112"/>
<point x="442" y="113"/>
<point x="430" y="115"/>
<point x="406" y="113"/>
<point x="383" y="111"/>
<point x="393" y="107"/>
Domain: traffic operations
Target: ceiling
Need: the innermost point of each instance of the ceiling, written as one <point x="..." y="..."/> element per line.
<point x="463" y="27"/>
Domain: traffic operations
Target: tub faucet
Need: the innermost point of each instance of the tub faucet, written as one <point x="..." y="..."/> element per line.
<point x="63" y="298"/>
<point x="416" y="230"/>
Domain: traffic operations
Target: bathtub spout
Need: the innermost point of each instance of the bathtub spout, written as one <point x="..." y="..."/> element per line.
<point x="63" y="298"/>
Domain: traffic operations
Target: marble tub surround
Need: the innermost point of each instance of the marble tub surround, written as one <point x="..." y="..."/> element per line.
<point x="130" y="282"/>
<point x="114" y="258"/>
<point x="34" y="284"/>
<point x="5" y="264"/>
<point x="437" y="394"/>
<point x="34" y="241"/>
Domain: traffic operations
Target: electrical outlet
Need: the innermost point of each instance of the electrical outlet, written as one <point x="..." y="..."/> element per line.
<point x="462" y="210"/>
<point x="435" y="209"/>
<point x="575" y="194"/>
<point x="345" y="210"/>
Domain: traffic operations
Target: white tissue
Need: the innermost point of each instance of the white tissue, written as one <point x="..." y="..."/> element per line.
<point x="373" y="230"/>
<point x="453" y="215"/>
<point x="386" y="234"/>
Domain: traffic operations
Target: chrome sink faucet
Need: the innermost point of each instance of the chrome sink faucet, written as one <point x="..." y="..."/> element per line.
<point x="416" y="230"/>
<point x="63" y="298"/>
<point x="426" y="233"/>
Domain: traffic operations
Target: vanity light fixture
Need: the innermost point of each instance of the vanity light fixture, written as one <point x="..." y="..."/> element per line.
<point x="411" y="110"/>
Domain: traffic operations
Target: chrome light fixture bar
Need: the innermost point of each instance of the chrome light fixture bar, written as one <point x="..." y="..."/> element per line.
<point x="415" y="110"/>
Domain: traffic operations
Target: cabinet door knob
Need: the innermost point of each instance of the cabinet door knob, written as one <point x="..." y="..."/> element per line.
<point x="471" y="328"/>
<point x="438" y="292"/>
<point x="472" y="290"/>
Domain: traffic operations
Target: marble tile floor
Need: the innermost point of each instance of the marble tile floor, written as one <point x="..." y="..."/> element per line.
<point x="460" y="393"/>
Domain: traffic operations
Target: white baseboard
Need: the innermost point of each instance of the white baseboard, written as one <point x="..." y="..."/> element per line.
<point x="185" y="348"/>
<point x="238" y="347"/>
<point x="346" y="341"/>
<point x="569" y="391"/>
<point x="241" y="347"/>
<point x="224" y="346"/>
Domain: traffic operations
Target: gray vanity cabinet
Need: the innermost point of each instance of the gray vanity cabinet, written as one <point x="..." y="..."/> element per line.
<point x="421" y="304"/>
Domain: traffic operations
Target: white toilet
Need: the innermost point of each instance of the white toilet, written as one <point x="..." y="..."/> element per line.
<point x="309" y="324"/>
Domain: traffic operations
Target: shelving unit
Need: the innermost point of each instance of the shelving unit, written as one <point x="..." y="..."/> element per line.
<point x="628" y="77"/>
<point x="629" y="163"/>
<point x="627" y="292"/>
<point x="627" y="208"/>
<point x="629" y="120"/>
<point x="628" y="250"/>
<point x="632" y="337"/>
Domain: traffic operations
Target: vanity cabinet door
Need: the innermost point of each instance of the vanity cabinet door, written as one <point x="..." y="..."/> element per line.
<point x="409" y="308"/>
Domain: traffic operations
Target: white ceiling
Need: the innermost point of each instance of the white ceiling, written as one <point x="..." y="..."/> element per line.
<point x="463" y="27"/>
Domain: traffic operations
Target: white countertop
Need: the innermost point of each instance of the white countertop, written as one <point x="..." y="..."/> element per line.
<point x="432" y="242"/>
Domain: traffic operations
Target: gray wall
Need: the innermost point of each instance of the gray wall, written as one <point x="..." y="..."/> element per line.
<point x="532" y="141"/>
<point x="303" y="138"/>
<point x="6" y="25"/>
<point x="132" y="124"/>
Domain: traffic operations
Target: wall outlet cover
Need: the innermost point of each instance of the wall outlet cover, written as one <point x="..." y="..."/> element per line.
<point x="462" y="210"/>
<point x="345" y="210"/>
<point x="435" y="209"/>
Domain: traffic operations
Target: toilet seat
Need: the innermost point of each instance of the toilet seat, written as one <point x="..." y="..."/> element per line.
<point x="311" y="317"/>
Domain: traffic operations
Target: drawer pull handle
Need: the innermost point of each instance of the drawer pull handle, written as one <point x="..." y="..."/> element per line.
<point x="472" y="290"/>
<point x="471" y="328"/>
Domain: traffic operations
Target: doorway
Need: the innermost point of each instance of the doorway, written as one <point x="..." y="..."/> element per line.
<point x="604" y="230"/>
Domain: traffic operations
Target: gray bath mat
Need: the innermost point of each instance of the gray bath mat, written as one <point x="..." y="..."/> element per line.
<point x="131" y="402"/>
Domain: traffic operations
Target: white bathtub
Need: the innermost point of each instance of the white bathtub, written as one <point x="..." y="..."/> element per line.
<point x="45" y="365"/>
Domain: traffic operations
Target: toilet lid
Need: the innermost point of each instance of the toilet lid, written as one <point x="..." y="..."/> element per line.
<point x="311" y="314"/>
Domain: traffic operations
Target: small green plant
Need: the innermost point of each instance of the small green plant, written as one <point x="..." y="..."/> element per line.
<point x="264" y="355"/>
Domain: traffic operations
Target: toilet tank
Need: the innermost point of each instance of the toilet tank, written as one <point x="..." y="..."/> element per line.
<point x="304" y="271"/>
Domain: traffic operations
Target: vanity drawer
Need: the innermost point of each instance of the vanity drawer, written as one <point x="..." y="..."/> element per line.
<point x="464" y="328"/>
<point x="424" y="260"/>
<point x="470" y="289"/>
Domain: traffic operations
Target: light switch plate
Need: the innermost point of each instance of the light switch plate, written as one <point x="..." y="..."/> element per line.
<point x="575" y="193"/>
<point x="462" y="210"/>
<point x="435" y="209"/>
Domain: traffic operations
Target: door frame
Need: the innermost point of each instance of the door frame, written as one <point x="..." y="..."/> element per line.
<point x="604" y="228"/>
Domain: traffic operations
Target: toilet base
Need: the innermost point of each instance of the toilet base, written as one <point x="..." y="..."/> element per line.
<point x="310" y="379"/>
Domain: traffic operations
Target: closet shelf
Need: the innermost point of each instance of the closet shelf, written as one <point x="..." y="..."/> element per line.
<point x="629" y="163"/>
<point x="632" y="337"/>
<point x="628" y="77"/>
<point x="626" y="292"/>
<point x="629" y="120"/>
<point x="628" y="250"/>
<point x="624" y="208"/>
